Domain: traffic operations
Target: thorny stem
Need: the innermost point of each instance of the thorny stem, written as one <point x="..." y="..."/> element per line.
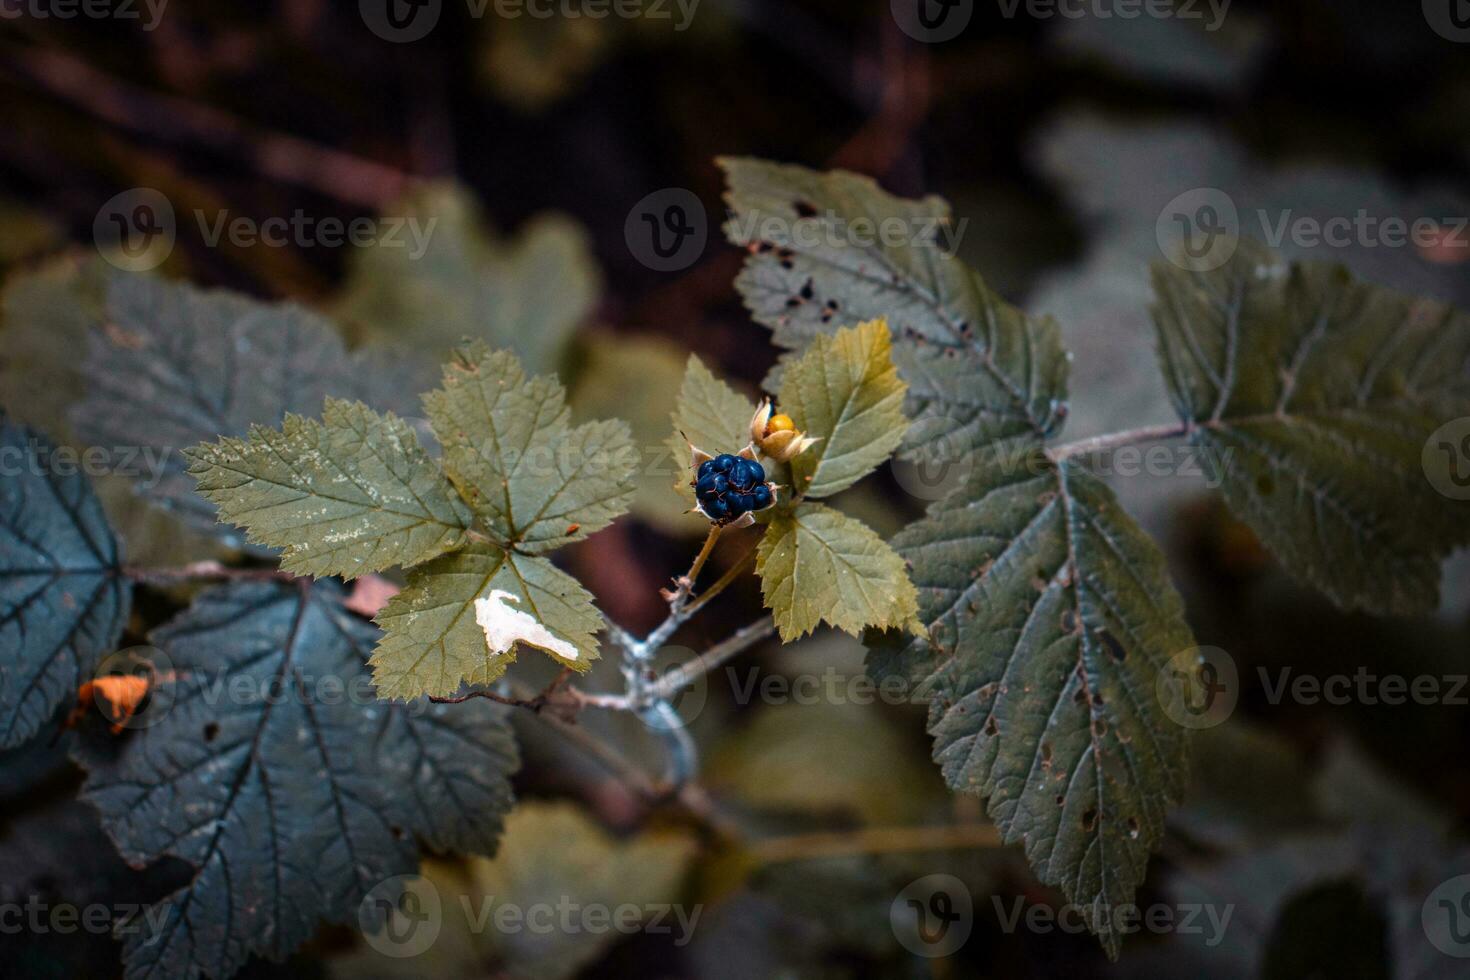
<point x="1113" y="440"/>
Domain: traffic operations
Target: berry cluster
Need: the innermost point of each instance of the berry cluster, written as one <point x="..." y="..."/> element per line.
<point x="730" y="486"/>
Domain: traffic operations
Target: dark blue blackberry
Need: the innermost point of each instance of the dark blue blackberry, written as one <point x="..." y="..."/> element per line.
<point x="746" y="474"/>
<point x="729" y="487"/>
<point x="713" y="483"/>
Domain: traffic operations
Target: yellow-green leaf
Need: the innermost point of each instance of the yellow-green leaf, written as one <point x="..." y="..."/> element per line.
<point x="710" y="415"/>
<point x="845" y="391"/>
<point x="819" y="565"/>
<point x="512" y="452"/>
<point x="352" y="494"/>
<point x="432" y="643"/>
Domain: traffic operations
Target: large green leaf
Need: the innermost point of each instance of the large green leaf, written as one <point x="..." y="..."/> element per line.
<point x="710" y="414"/>
<point x="979" y="371"/>
<point x="1050" y="615"/>
<point x="63" y="598"/>
<point x="275" y="774"/>
<point x="844" y="391"/>
<point x="819" y="565"/>
<point x="1320" y="393"/>
<point x="432" y="642"/>
<point x="175" y="366"/>
<point x="511" y="450"/>
<point x="529" y="294"/>
<point x="352" y="494"/>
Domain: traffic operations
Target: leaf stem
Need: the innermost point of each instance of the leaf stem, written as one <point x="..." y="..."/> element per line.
<point x="1114" y="440"/>
<point x="678" y="599"/>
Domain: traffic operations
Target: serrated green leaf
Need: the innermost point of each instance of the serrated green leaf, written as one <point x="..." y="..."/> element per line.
<point x="352" y="494"/>
<point x="1050" y="614"/>
<point x="845" y="391"/>
<point x="979" y="371"/>
<point x="710" y="414"/>
<point x="291" y="797"/>
<point x="1317" y="394"/>
<point x="63" y="598"/>
<point x="513" y="454"/>
<point x="529" y="294"/>
<point x="819" y="565"/>
<point x="174" y="366"/>
<point x="431" y="641"/>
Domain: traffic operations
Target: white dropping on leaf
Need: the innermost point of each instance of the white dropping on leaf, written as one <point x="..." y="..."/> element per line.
<point x="505" y="626"/>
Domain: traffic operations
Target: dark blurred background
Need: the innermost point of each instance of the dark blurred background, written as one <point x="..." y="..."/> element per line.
<point x="1062" y="140"/>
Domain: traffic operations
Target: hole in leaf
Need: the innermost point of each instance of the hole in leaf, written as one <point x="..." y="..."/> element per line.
<point x="1114" y="647"/>
<point x="990" y="726"/>
<point x="211" y="730"/>
<point x="804" y="209"/>
<point x="1089" y="820"/>
<point x="1132" y="829"/>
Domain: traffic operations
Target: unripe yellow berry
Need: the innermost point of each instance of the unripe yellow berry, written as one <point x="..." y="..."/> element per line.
<point x="780" y="423"/>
